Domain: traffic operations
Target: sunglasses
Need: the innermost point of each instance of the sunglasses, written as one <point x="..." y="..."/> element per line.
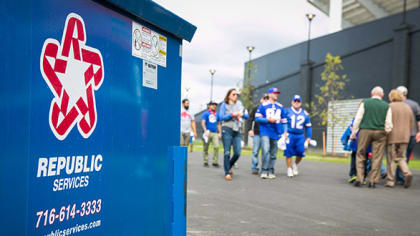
<point x="296" y="100"/>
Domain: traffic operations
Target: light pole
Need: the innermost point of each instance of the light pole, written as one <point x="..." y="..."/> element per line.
<point x="247" y="84"/>
<point x="250" y="49"/>
<point x="310" y="17"/>
<point x="212" y="71"/>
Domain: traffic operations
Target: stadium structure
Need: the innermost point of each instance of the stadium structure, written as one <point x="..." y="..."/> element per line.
<point x="378" y="42"/>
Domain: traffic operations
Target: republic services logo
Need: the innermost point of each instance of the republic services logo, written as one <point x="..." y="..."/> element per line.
<point x="73" y="72"/>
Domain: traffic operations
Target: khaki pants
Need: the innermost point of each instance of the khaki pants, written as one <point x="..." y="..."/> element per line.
<point x="213" y="138"/>
<point x="377" y="138"/>
<point x="185" y="139"/>
<point x="396" y="154"/>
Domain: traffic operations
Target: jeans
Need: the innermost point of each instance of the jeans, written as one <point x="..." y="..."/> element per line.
<point x="230" y="138"/>
<point x="353" y="164"/>
<point x="369" y="166"/>
<point x="383" y="169"/>
<point x="399" y="175"/>
<point x="366" y="163"/>
<point x="269" y="154"/>
<point x="256" y="146"/>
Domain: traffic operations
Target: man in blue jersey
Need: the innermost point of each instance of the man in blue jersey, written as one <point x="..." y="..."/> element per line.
<point x="298" y="122"/>
<point x="212" y="132"/>
<point x="270" y="115"/>
<point x="254" y="132"/>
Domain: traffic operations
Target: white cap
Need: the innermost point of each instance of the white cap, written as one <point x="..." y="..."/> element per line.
<point x="403" y="90"/>
<point x="281" y="144"/>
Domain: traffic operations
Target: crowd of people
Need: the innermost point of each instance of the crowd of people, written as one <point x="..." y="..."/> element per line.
<point x="269" y="123"/>
<point x="377" y="126"/>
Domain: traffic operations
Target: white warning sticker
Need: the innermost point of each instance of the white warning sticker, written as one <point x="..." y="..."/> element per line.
<point x="149" y="75"/>
<point x="148" y="45"/>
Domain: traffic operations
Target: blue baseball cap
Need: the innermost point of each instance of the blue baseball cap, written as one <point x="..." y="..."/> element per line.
<point x="297" y="97"/>
<point x="274" y="90"/>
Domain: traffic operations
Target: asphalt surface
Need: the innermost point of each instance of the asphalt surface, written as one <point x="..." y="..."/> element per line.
<point x="317" y="202"/>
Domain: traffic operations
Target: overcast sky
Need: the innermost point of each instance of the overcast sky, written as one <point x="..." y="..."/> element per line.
<point x="225" y="28"/>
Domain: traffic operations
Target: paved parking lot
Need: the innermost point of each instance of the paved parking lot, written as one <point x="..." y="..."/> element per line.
<point x="317" y="202"/>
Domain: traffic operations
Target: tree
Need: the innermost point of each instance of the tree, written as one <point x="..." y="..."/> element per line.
<point x="329" y="93"/>
<point x="247" y="91"/>
<point x="247" y="88"/>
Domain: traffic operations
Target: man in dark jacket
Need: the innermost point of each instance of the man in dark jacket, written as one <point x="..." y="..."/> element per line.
<point x="254" y="132"/>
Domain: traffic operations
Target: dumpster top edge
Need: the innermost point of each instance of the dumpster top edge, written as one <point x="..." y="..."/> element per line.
<point x="158" y="16"/>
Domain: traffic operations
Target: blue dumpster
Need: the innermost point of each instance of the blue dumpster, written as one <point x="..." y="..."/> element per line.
<point x="90" y="97"/>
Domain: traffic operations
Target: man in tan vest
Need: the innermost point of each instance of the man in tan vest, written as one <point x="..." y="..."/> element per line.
<point x="374" y="118"/>
<point x="402" y="120"/>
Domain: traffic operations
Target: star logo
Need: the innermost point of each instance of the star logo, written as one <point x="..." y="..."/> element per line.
<point x="73" y="71"/>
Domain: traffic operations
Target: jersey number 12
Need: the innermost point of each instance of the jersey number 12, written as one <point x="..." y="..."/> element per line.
<point x="297" y="122"/>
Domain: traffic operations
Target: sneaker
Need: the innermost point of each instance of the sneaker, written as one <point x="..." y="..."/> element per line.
<point x="215" y="165"/>
<point x="352" y="179"/>
<point x="264" y="176"/>
<point x="228" y="177"/>
<point x="236" y="166"/>
<point x="389" y="185"/>
<point x="407" y="181"/>
<point x="295" y="169"/>
<point x="255" y="172"/>
<point x="371" y="185"/>
<point x="271" y="176"/>
<point x="231" y="173"/>
<point x="289" y="172"/>
<point x="206" y="164"/>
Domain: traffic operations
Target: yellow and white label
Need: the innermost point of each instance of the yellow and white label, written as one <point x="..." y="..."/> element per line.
<point x="148" y="45"/>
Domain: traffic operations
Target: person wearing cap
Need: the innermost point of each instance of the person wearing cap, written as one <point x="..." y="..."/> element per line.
<point x="402" y="120"/>
<point x="374" y="118"/>
<point x="415" y="132"/>
<point x="231" y="114"/>
<point x="212" y="133"/>
<point x="298" y="122"/>
<point x="187" y="123"/>
<point x="254" y="132"/>
<point x="272" y="119"/>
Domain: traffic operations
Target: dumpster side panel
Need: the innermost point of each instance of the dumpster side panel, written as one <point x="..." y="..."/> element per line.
<point x="135" y="126"/>
<point x="15" y="55"/>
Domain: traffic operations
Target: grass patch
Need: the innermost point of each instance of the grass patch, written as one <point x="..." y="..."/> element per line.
<point x="311" y="156"/>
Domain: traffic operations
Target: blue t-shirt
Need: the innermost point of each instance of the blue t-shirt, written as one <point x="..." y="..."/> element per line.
<point x="269" y="110"/>
<point x="211" y="120"/>
<point x="298" y="121"/>
<point x="345" y="139"/>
